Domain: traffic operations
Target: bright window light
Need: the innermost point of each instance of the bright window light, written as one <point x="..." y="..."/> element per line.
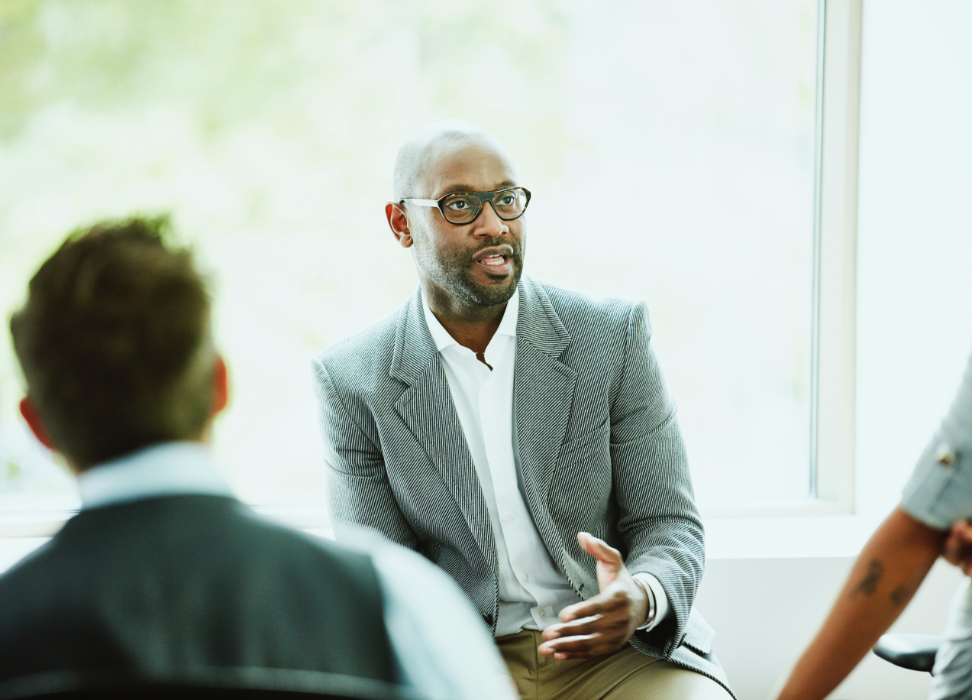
<point x="669" y="147"/>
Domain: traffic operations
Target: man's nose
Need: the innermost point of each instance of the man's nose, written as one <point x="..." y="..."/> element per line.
<point x="489" y="224"/>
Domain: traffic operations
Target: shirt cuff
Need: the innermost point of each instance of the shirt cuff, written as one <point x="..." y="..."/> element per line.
<point x="657" y="600"/>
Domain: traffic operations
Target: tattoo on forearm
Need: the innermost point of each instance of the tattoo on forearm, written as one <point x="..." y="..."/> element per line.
<point x="900" y="595"/>
<point x="869" y="584"/>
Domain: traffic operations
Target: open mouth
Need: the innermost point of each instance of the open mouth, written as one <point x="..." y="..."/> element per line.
<point x="496" y="260"/>
<point x="493" y="260"/>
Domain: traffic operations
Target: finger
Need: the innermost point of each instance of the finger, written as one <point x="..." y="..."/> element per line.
<point x="580" y="643"/>
<point x="950" y="550"/>
<point x="600" y="550"/>
<point x="601" y="604"/>
<point x="586" y="625"/>
<point x="956" y="549"/>
<point x="583" y="646"/>
<point x="961" y="534"/>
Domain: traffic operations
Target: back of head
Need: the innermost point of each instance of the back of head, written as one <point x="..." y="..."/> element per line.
<point x="115" y="343"/>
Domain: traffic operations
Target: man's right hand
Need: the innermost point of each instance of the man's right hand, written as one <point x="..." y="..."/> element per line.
<point x="957" y="549"/>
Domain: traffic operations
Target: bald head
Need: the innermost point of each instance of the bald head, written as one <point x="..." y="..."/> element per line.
<point x="423" y="152"/>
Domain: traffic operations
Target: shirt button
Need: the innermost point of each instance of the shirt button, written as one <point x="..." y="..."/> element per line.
<point x="542" y="613"/>
<point x="526" y="578"/>
<point x="510" y="517"/>
<point x="945" y="455"/>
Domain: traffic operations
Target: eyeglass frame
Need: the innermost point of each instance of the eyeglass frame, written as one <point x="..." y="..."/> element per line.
<point x="439" y="203"/>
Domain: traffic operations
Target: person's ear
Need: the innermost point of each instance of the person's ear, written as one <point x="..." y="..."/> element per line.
<point x="398" y="223"/>
<point x="220" y="385"/>
<point x="34" y="422"/>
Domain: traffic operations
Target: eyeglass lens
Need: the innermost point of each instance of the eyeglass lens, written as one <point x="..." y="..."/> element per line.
<point x="463" y="208"/>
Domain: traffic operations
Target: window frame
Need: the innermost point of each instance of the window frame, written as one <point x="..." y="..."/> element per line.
<point x="834" y="315"/>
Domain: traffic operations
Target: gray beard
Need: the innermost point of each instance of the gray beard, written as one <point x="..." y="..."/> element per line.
<point x="462" y="287"/>
<point x="457" y="281"/>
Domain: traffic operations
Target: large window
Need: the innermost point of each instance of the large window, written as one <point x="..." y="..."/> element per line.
<point x="670" y="148"/>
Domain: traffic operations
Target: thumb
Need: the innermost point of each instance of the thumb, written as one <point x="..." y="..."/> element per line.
<point x="609" y="559"/>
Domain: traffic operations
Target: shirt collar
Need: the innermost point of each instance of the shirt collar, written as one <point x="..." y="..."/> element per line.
<point x="441" y="337"/>
<point x="166" y="469"/>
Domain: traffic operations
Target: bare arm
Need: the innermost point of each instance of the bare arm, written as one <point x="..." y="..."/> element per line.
<point x="886" y="575"/>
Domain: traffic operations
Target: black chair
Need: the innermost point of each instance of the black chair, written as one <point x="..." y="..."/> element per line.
<point x="912" y="651"/>
<point x="203" y="684"/>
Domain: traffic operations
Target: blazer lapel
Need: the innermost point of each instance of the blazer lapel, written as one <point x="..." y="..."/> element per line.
<point x="543" y="395"/>
<point x="427" y="409"/>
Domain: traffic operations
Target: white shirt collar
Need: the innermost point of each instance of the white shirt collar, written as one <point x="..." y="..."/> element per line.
<point x="441" y="337"/>
<point x="166" y="469"/>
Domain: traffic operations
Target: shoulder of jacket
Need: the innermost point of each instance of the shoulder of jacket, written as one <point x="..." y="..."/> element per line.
<point x="363" y="350"/>
<point x="587" y="310"/>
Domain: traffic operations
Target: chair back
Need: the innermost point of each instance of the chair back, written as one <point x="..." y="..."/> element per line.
<point x="912" y="651"/>
<point x="203" y="684"/>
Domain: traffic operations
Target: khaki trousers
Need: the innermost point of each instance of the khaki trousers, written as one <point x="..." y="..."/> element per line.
<point x="625" y="675"/>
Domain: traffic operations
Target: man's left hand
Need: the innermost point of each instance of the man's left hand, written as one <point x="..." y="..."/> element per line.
<point x="604" y="623"/>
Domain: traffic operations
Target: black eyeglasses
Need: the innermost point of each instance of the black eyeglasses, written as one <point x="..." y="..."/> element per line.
<point x="462" y="208"/>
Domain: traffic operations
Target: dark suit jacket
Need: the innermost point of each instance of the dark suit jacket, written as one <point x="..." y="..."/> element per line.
<point x="599" y="446"/>
<point x="164" y="585"/>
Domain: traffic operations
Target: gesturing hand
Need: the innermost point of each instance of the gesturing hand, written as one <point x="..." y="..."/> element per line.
<point x="604" y="623"/>
<point x="957" y="549"/>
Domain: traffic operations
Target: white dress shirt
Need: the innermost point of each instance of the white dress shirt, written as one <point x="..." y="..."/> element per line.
<point x="438" y="640"/>
<point x="532" y="590"/>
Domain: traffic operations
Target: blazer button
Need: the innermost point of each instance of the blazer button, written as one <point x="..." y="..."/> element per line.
<point x="945" y="455"/>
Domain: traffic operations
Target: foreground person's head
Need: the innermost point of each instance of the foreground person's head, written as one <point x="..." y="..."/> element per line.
<point x="115" y="345"/>
<point x="468" y="250"/>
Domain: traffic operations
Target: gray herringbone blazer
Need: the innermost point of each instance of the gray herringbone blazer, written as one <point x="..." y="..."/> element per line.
<point x="600" y="451"/>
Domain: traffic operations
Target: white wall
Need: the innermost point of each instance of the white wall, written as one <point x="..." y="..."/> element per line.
<point x="765" y="611"/>
<point x="914" y="337"/>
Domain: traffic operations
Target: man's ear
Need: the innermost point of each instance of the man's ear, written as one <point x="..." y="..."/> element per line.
<point x="34" y="422"/>
<point x="398" y="223"/>
<point x="220" y="385"/>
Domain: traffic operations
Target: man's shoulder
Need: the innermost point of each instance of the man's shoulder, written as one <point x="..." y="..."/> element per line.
<point x="362" y="353"/>
<point x="581" y="310"/>
<point x="161" y="534"/>
<point x="21" y="572"/>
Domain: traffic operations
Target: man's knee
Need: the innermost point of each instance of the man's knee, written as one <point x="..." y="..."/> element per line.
<point x="664" y="680"/>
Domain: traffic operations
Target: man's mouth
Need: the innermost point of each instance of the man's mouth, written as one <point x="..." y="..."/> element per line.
<point x="493" y="260"/>
<point x="497" y="260"/>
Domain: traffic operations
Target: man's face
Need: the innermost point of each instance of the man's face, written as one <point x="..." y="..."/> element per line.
<point x="478" y="264"/>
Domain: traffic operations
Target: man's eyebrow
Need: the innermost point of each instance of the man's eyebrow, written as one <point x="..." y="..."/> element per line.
<point x="452" y="189"/>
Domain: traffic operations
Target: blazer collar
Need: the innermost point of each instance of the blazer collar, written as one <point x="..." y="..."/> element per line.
<point x="414" y="347"/>
<point x="537" y="323"/>
<point x="543" y="398"/>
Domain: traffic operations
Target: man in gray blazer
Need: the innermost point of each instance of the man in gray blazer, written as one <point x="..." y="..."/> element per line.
<point x="520" y="435"/>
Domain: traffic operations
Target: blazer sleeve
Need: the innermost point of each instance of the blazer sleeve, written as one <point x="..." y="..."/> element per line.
<point x="658" y="520"/>
<point x="357" y="484"/>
